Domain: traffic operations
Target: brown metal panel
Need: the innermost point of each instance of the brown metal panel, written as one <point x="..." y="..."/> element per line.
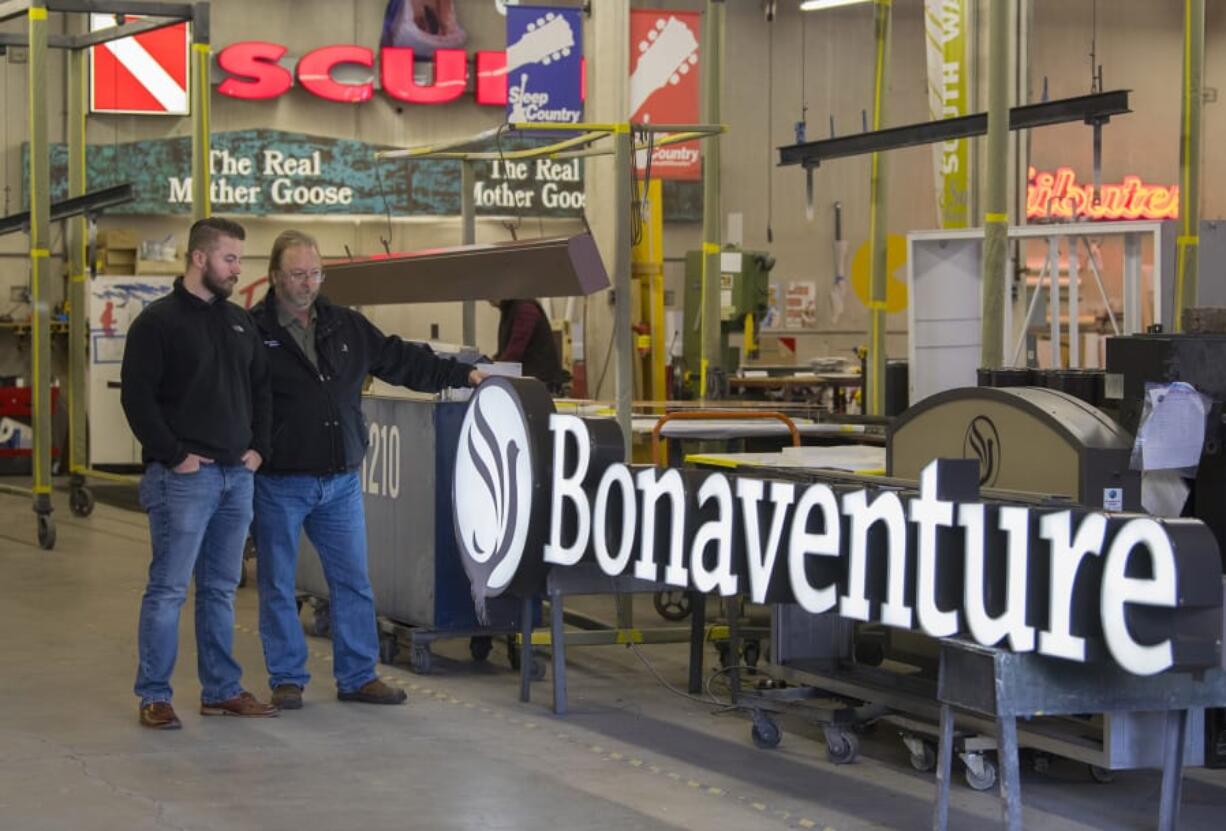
<point x="552" y="267"/>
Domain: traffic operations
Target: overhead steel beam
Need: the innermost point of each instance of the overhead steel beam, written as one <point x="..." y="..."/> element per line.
<point x="93" y="38"/>
<point x="13" y="8"/>
<point x="1090" y="108"/>
<point x="148" y="8"/>
<point x="136" y="27"/>
<point x="92" y="202"/>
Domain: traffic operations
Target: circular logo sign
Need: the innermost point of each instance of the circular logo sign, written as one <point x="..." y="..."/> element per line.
<point x="983" y="442"/>
<point x="495" y="489"/>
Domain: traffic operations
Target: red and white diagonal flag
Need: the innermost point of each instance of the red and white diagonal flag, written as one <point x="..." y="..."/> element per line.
<point x="145" y="73"/>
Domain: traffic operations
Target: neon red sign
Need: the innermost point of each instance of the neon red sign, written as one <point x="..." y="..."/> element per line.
<point x="255" y="74"/>
<point x="1060" y="196"/>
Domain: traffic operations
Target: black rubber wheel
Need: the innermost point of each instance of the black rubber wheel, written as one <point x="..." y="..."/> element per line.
<point x="871" y="653"/>
<point x="725" y="654"/>
<point x="421" y="660"/>
<point x="842" y="748"/>
<point x="46" y="532"/>
<point x="81" y="501"/>
<point x="1102" y="776"/>
<point x="389" y="648"/>
<point x="765" y="732"/>
<point x="539" y="668"/>
<point x="480" y="647"/>
<point x="752" y="653"/>
<point x="985" y="781"/>
<point x="926" y="759"/>
<point x="321" y="621"/>
<point x="672" y="605"/>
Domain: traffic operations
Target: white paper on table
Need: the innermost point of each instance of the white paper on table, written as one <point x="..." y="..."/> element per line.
<point x="1173" y="435"/>
<point x="1163" y="492"/>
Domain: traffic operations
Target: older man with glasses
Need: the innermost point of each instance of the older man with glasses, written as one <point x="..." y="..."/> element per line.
<point x="318" y="357"/>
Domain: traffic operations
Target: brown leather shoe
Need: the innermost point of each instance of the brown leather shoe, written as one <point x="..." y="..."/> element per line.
<point x="375" y="692"/>
<point x="159" y="715"/>
<point x="244" y="705"/>
<point x="287" y="697"/>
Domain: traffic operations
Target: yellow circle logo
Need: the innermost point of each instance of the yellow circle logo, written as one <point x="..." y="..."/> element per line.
<point x="895" y="272"/>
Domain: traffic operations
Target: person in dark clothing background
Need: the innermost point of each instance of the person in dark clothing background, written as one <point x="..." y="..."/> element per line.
<point x="525" y="336"/>
<point x="318" y="358"/>
<point x="195" y="392"/>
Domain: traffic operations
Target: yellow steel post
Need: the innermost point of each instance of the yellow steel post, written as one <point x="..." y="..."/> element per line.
<point x="201" y="179"/>
<point x="874" y="382"/>
<point x="78" y="240"/>
<point x="648" y="260"/>
<point x="1187" y="273"/>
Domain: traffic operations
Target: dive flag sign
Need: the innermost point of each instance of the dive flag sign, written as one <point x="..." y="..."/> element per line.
<point x="145" y="73"/>
<point x="544" y="54"/>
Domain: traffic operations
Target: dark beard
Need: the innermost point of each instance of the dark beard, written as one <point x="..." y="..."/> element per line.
<point x="220" y="289"/>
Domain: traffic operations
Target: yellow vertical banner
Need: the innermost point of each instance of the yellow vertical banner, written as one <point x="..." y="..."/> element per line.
<point x="945" y="24"/>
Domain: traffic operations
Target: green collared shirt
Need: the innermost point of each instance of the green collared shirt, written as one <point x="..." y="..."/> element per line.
<point x="304" y="336"/>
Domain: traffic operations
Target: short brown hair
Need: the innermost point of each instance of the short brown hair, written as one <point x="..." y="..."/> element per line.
<point x="286" y="240"/>
<point x="205" y="232"/>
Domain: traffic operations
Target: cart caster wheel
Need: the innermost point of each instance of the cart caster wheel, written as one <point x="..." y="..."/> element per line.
<point x="672" y="605"/>
<point x="81" y="501"/>
<point x="926" y="759"/>
<point x="1041" y="763"/>
<point x="870" y="653"/>
<point x="725" y="654"/>
<point x="1102" y="776"/>
<point x="984" y="779"/>
<point x="752" y="653"/>
<point x="538" y="669"/>
<point x="46" y="532"/>
<point x="842" y="748"/>
<point x="422" y="659"/>
<point x="765" y="731"/>
<point x="389" y="648"/>
<point x="480" y="648"/>
<point x="321" y="622"/>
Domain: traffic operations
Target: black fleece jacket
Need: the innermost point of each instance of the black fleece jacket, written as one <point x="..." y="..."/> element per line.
<point x="318" y="426"/>
<point x="195" y="380"/>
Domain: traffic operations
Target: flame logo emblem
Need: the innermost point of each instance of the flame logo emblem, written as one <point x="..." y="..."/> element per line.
<point x="493" y="490"/>
<point x="983" y="442"/>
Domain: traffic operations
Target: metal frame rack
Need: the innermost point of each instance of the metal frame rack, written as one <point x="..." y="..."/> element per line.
<point x="38" y="40"/>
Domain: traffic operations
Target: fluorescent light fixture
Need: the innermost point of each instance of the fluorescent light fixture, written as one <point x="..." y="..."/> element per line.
<point x="822" y="5"/>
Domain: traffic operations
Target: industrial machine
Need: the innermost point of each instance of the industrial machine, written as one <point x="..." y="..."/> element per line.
<point x="744" y="284"/>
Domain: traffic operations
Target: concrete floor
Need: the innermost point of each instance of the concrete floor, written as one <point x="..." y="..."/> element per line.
<point x="464" y="754"/>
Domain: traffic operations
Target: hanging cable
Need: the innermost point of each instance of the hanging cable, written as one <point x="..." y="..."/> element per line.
<point x="770" y="123"/>
<point x="387" y="208"/>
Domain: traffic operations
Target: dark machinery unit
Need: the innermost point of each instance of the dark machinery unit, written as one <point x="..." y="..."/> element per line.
<point x="744" y="287"/>
<point x="1199" y="360"/>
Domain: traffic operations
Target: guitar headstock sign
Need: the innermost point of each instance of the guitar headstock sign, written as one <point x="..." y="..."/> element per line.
<point x="665" y="85"/>
<point x="544" y="74"/>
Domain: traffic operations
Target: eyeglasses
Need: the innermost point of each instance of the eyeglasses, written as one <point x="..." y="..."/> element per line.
<point x="316" y="276"/>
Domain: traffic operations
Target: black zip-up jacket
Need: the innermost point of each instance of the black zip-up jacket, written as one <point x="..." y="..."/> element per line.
<point x="317" y="413"/>
<point x="195" y="380"/>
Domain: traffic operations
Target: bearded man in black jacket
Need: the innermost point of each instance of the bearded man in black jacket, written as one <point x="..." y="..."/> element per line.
<point x="195" y="392"/>
<point x="319" y="356"/>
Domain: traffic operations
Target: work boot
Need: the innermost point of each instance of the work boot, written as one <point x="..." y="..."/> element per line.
<point x="287" y="697"/>
<point x="374" y="692"/>
<point x="244" y="705"/>
<point x="159" y="715"/>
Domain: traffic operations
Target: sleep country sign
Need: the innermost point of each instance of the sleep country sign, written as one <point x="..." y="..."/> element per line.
<point x="544" y="64"/>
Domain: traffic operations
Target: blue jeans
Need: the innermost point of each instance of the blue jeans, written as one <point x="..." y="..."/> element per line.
<point x="198" y="524"/>
<point x="330" y="510"/>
